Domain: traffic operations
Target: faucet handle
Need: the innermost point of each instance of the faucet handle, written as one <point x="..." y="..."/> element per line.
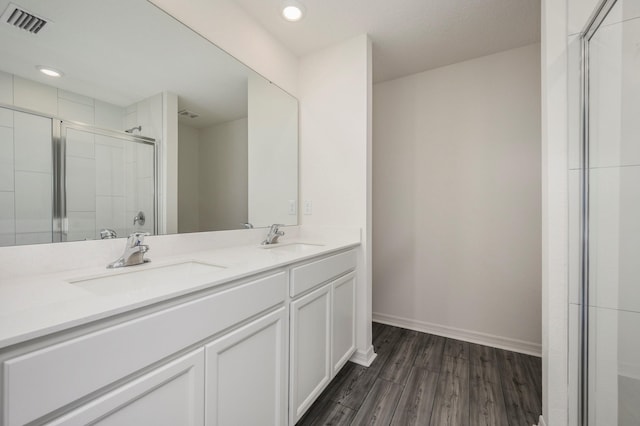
<point x="136" y="238"/>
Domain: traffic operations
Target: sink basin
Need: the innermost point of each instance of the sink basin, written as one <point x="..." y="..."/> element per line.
<point x="138" y="280"/>
<point x="293" y="247"/>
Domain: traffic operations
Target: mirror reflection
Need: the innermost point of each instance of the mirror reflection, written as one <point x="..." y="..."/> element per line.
<point x="149" y="127"/>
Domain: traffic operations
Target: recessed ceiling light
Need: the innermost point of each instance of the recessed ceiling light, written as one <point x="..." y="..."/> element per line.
<point x="292" y="11"/>
<point x="51" y="72"/>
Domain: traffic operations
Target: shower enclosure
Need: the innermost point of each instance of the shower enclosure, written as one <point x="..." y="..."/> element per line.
<point x="65" y="181"/>
<point x="610" y="217"/>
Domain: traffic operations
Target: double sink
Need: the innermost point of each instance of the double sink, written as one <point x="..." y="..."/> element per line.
<point x="189" y="271"/>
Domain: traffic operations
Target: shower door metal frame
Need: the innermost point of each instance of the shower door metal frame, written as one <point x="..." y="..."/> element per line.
<point x="593" y="24"/>
<point x="60" y="178"/>
<point x="59" y="172"/>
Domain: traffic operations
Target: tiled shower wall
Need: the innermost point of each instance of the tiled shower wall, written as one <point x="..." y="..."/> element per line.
<point x="96" y="165"/>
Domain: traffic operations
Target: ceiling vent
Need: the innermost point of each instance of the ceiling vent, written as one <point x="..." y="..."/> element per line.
<point x="18" y="17"/>
<point x="188" y="114"/>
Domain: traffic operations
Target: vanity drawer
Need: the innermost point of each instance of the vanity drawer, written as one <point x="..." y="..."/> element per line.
<point x="44" y="380"/>
<point x="308" y="276"/>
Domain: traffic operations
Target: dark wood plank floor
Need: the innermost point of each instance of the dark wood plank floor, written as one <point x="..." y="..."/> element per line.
<point x="422" y="379"/>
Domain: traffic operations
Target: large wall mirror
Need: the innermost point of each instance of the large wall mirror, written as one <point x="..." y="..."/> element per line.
<point x="150" y="127"/>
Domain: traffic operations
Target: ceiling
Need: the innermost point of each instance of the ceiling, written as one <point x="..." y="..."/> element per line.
<point x="124" y="51"/>
<point x="408" y="36"/>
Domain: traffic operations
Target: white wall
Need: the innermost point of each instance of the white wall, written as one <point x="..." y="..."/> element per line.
<point x="188" y="179"/>
<point x="225" y="24"/>
<point x="223" y="175"/>
<point x="456" y="200"/>
<point x="272" y="154"/>
<point x="335" y="163"/>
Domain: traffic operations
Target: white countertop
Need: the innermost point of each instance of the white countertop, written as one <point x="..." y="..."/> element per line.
<point x="38" y="305"/>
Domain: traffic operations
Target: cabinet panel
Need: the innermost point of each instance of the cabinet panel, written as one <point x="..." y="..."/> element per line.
<point x="307" y="276"/>
<point x="39" y="382"/>
<point x="170" y="395"/>
<point x="310" y="349"/>
<point x="246" y="382"/>
<point x="344" y="320"/>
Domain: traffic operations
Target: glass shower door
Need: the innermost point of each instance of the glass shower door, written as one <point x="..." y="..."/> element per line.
<point x="26" y="178"/>
<point x="109" y="182"/>
<point x="611" y="250"/>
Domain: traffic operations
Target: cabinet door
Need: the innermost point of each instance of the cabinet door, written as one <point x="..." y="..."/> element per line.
<point x="169" y="395"/>
<point x="246" y="379"/>
<point x="310" y="349"/>
<point x="344" y="320"/>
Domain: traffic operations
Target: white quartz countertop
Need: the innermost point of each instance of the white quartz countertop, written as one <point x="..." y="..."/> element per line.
<point x="38" y="305"/>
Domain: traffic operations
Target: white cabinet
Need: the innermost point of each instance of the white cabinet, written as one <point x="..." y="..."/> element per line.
<point x="246" y="378"/>
<point x="322" y="327"/>
<point x="255" y="352"/>
<point x="37" y="383"/>
<point x="343" y="301"/>
<point x="310" y="365"/>
<point x="170" y="395"/>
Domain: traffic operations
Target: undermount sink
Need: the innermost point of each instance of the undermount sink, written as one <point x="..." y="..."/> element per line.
<point x="293" y="247"/>
<point x="135" y="280"/>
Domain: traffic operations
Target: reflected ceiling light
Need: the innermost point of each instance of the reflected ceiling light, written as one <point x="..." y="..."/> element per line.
<point x="292" y="10"/>
<point x="51" y="72"/>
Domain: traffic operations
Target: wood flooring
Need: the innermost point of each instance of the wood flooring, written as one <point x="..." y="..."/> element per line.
<point x="423" y="379"/>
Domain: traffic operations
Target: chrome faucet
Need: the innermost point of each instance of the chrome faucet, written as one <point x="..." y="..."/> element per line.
<point x="274" y="233"/>
<point x="133" y="252"/>
<point x="107" y="234"/>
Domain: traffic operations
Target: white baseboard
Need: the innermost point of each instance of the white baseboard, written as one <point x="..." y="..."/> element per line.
<point x="500" y="342"/>
<point x="364" y="358"/>
<point x="541" y="422"/>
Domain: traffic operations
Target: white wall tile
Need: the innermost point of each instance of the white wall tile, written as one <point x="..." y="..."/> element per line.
<point x="82" y="226"/>
<point x="630" y="124"/>
<point x="110" y="172"/>
<point x="574" y="363"/>
<point x="7" y="240"/>
<point x="103" y="170"/>
<point x="603" y="366"/>
<point x="110" y="213"/>
<point x="6" y="88"/>
<point x="615" y="357"/>
<point x="110" y="141"/>
<point x="6" y="159"/>
<point x="629" y="395"/>
<point x="74" y="111"/>
<point x="32" y="143"/>
<point x="33" y="202"/>
<point x="605" y="91"/>
<point x="35" y="96"/>
<point x="614" y="91"/>
<point x="145" y="202"/>
<point x="614" y="243"/>
<point x="76" y="98"/>
<point x="144" y="160"/>
<point x="81" y="184"/>
<point x="80" y="144"/>
<point x="130" y="186"/>
<point x="6" y="117"/>
<point x="33" y="238"/>
<point x="7" y="219"/>
<point x="130" y="120"/>
<point x="109" y="116"/>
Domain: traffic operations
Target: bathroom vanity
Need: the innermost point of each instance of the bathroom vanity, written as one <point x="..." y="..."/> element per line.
<point x="233" y="336"/>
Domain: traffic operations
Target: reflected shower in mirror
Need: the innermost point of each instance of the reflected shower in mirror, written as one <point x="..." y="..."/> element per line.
<point x="220" y="142"/>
